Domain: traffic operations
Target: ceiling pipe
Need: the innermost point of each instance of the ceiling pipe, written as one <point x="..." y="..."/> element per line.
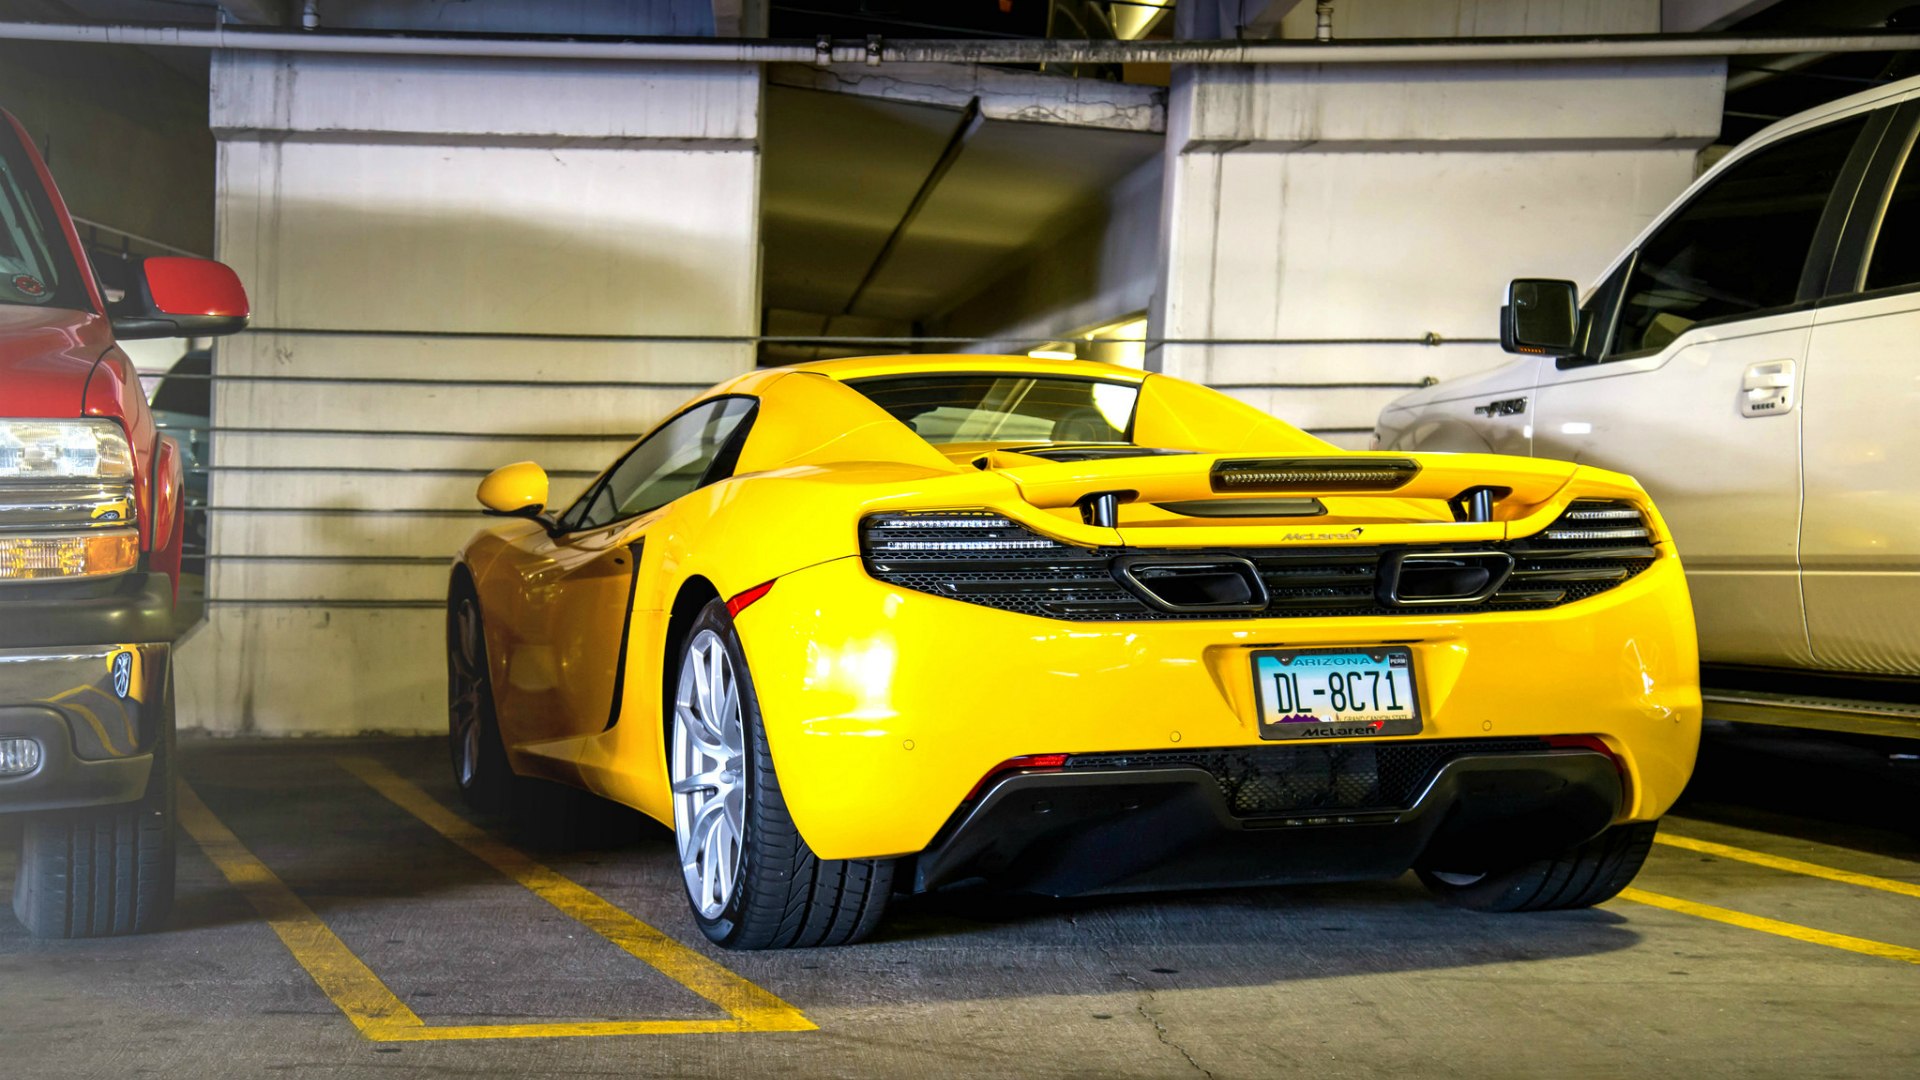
<point x="957" y="51"/>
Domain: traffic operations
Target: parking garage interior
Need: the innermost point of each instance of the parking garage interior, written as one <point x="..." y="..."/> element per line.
<point x="460" y="255"/>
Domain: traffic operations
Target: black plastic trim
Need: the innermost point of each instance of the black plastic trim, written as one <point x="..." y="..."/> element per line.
<point x="1164" y="827"/>
<point x="132" y="609"/>
<point x="64" y="781"/>
<point x="1826" y="253"/>
<point x="626" y="633"/>
<point x="1801" y="682"/>
<point x="1854" y="246"/>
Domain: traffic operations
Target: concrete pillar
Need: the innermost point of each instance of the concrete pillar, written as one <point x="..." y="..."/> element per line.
<point x="379" y="207"/>
<point x="1396" y="201"/>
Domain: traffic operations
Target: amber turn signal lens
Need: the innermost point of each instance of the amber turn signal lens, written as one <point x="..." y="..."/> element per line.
<point x="27" y="558"/>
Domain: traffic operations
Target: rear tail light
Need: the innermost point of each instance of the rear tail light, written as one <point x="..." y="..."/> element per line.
<point x="940" y="535"/>
<point x="1327" y="474"/>
<point x="743" y="601"/>
<point x="1603" y="521"/>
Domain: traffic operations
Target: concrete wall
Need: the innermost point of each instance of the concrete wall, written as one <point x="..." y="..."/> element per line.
<point x="380" y="205"/>
<point x="1377" y="201"/>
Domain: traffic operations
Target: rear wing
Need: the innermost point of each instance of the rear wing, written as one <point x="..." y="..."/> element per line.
<point x="1465" y="497"/>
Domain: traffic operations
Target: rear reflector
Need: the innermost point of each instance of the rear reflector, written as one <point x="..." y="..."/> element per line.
<point x="1024" y="763"/>
<point x="1585" y="742"/>
<point x="1326" y="474"/>
<point x="745" y="600"/>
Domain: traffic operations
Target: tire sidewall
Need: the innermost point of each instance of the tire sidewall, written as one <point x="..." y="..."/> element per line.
<point x="489" y="788"/>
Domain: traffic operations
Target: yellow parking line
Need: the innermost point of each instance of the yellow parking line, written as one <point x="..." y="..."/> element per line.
<point x="1792" y="866"/>
<point x="347" y="982"/>
<point x="1773" y="926"/>
<point x="381" y="1016"/>
<point x="752" y="1008"/>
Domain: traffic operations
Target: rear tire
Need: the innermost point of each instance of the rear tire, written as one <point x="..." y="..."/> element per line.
<point x="751" y="879"/>
<point x="1582" y="876"/>
<point x="473" y="731"/>
<point x="104" y="871"/>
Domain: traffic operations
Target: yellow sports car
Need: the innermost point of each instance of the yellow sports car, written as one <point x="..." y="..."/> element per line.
<point x="885" y="625"/>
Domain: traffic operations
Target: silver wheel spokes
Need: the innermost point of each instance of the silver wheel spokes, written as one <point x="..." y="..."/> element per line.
<point x="468" y="657"/>
<point x="707" y="769"/>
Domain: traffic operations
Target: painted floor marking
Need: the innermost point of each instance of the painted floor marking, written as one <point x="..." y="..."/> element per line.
<point x="1773" y="926"/>
<point x="347" y="982"/>
<point x="1792" y="866"/>
<point x="381" y="1016"/>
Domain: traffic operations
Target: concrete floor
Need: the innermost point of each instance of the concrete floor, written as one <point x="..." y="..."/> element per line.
<point x="1331" y="981"/>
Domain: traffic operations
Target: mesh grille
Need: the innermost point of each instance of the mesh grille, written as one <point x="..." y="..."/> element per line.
<point x="1263" y="781"/>
<point x="986" y="559"/>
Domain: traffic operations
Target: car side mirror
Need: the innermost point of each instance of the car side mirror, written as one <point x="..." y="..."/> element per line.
<point x="164" y="296"/>
<point x="516" y="490"/>
<point x="1541" y="317"/>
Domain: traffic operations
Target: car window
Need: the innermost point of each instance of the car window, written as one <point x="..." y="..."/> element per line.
<point x="1896" y="250"/>
<point x="675" y="460"/>
<point x="1739" y="247"/>
<point x="36" y="266"/>
<point x="966" y="408"/>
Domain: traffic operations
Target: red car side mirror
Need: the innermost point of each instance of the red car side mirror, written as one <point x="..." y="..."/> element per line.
<point x="173" y="296"/>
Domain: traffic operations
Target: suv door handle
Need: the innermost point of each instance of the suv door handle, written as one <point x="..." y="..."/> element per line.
<point x="1767" y="389"/>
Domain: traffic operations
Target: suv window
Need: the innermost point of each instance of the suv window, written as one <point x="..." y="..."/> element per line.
<point x="1896" y="250"/>
<point x="1740" y="246"/>
<point x="677" y="459"/>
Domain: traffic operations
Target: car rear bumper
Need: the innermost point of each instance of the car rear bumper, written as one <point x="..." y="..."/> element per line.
<point x="885" y="707"/>
<point x="1074" y="832"/>
<point x="92" y="712"/>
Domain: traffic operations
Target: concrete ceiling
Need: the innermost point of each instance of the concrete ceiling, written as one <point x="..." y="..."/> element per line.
<point x="840" y="171"/>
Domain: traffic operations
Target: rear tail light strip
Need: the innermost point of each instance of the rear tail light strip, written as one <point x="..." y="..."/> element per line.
<point x="989" y="559"/>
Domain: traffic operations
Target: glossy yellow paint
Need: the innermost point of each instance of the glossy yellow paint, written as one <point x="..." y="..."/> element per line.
<point x="514" y="489"/>
<point x="884" y="707"/>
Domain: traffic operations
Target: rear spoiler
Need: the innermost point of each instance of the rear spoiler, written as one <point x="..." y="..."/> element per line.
<point x="1478" y="487"/>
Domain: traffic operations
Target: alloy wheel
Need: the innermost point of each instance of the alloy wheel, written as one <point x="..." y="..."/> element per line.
<point x="708" y="773"/>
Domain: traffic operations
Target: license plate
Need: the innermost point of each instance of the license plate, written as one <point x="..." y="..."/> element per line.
<point x="1336" y="693"/>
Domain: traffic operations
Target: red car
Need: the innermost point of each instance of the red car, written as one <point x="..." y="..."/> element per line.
<point x="90" y="532"/>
